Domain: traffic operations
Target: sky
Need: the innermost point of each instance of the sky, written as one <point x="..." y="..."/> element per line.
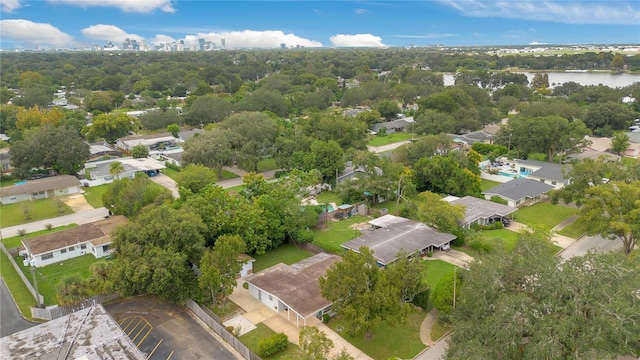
<point x="267" y="24"/>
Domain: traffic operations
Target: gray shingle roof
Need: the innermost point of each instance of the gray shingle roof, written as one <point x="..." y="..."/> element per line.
<point x="520" y="188"/>
<point x="482" y="209"/>
<point x="395" y="235"/>
<point x="46" y="184"/>
<point x="551" y="171"/>
<point x="401" y="123"/>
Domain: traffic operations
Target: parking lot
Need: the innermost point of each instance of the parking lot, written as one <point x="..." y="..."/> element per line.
<point x="166" y="331"/>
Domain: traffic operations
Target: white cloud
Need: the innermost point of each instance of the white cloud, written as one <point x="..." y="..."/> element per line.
<point x="571" y="12"/>
<point x="428" y="36"/>
<point x="317" y="11"/>
<point x="512" y="34"/>
<point x="532" y="29"/>
<point x="360" y="11"/>
<point x="537" y="43"/>
<point x="161" y="39"/>
<point x="10" y="5"/>
<point x="356" y="40"/>
<point x="135" y="6"/>
<point x="252" y="39"/>
<point x="33" y="33"/>
<point x="108" y="32"/>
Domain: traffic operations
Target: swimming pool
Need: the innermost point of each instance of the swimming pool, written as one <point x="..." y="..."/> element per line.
<point x="513" y="175"/>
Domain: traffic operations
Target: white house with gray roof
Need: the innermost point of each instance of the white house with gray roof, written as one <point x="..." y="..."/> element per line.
<point x="546" y="172"/>
<point x="518" y="192"/>
<point x="40" y="189"/>
<point x="480" y="211"/>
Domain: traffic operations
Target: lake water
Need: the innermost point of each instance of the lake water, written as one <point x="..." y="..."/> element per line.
<point x="582" y="78"/>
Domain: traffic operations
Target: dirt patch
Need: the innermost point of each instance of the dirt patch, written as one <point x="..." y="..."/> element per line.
<point x="360" y="226"/>
<point x="77" y="203"/>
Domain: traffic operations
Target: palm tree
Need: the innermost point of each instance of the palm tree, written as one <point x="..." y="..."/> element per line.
<point x="116" y="168"/>
<point x="71" y="290"/>
<point x="99" y="280"/>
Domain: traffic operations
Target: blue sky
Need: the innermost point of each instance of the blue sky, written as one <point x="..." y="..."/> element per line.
<point x="73" y="23"/>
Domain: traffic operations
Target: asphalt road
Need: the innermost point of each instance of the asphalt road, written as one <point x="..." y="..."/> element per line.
<point x="163" y="330"/>
<point x="436" y="352"/>
<point x="587" y="243"/>
<point x="79" y="218"/>
<point x="10" y="319"/>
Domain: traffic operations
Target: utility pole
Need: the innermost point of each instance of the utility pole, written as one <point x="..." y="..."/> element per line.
<point x="454" y="286"/>
<point x="35" y="281"/>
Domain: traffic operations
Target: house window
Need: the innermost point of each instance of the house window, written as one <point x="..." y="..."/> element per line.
<point x="63" y="251"/>
<point x="108" y="178"/>
<point x="47" y="256"/>
<point x="270" y="298"/>
<point x="72" y="248"/>
<point x="553" y="183"/>
<point x="518" y="202"/>
<point x="541" y="180"/>
<point x="83" y="246"/>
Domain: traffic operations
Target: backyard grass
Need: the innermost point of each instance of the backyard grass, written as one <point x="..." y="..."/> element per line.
<point x="389" y="139"/>
<point x="337" y="233"/>
<point x="575" y="229"/>
<point x="487" y="184"/>
<point x="397" y="341"/>
<point x="13" y="214"/>
<point x="50" y="275"/>
<point x="93" y="195"/>
<point x="267" y="164"/>
<point x="504" y="237"/>
<point x="438" y="330"/>
<point x="16" y="287"/>
<point x="285" y="253"/>
<point x="261" y="332"/>
<point x="544" y="213"/>
<point x="327" y="197"/>
<point x="435" y="271"/>
<point x="15" y="241"/>
<point x="170" y="173"/>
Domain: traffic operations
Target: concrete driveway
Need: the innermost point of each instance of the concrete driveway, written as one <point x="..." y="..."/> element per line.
<point x="169" y="183"/>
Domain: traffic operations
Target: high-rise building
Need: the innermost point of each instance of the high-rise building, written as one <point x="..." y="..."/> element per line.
<point x="283" y="46"/>
<point x="223" y="43"/>
<point x="201" y="44"/>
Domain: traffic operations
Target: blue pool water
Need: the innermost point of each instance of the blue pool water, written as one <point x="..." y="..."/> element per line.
<point x="513" y="175"/>
<point x="21" y="182"/>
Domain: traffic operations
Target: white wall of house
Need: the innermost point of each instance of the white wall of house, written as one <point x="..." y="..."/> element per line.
<point x="12" y="199"/>
<point x="556" y="184"/>
<point x="100" y="250"/>
<point x="62" y="254"/>
<point x="247" y="269"/>
<point x="510" y="202"/>
<point x="264" y="297"/>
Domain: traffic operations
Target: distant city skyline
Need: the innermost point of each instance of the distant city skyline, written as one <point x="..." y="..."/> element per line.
<point x="207" y="25"/>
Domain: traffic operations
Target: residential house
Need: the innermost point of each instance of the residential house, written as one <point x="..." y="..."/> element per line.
<point x="247" y="265"/>
<point x="98" y="151"/>
<point x="520" y="191"/>
<point x="93" y="238"/>
<point x="391" y="234"/>
<point x="546" y="172"/>
<point x="395" y="126"/>
<point x="188" y="134"/>
<point x="350" y="172"/>
<point x="151" y="142"/>
<point x="294" y="288"/>
<point x="99" y="172"/>
<point x="480" y="211"/>
<point x="40" y="189"/>
<point x="5" y="161"/>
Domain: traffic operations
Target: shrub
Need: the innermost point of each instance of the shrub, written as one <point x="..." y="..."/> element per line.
<point x="499" y="200"/>
<point x="423" y="300"/>
<point x="245" y="285"/>
<point x="480" y="245"/>
<point x="429" y="254"/>
<point x="325" y="318"/>
<point x="22" y="232"/>
<point x="273" y="345"/>
<point x="48" y="226"/>
<point x="172" y="166"/>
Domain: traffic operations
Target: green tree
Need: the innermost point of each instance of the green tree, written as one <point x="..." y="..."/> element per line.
<point x="157" y="120"/>
<point x="71" y="290"/>
<point x="208" y="109"/>
<point x="439" y="214"/>
<point x="252" y="136"/>
<point x="388" y="109"/>
<point x="619" y="142"/>
<point x="529" y="304"/>
<point x="606" y="118"/>
<point x="211" y="149"/>
<point x="195" y="177"/>
<point x="111" y="127"/>
<point x="220" y="266"/>
<point x="128" y="196"/>
<point x="617" y="62"/>
<point x="613" y="211"/>
<point x="314" y="343"/>
<point x="139" y="151"/>
<point x="174" y="129"/>
<point x="448" y="175"/>
<point x="326" y="158"/>
<point x="154" y="253"/>
<point x="116" y="168"/>
<point x="100" y="280"/>
<point x="442" y="293"/>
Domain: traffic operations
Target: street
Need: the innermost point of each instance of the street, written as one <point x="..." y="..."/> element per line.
<point x="79" y="218"/>
<point x="597" y="243"/>
<point x="12" y="321"/>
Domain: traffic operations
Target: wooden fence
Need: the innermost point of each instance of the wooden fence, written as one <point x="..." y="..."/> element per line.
<point x="214" y="323"/>
<point x="56" y="311"/>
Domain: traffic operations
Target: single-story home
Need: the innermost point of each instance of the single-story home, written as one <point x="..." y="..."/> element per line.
<point x="99" y="172"/>
<point x="40" y="189"/>
<point x="97" y="151"/>
<point x="5" y="161"/>
<point x="151" y="141"/>
<point x="394" y="126"/>
<point x="93" y="238"/>
<point x="172" y="156"/>
<point x="593" y="155"/>
<point x="188" y="134"/>
<point x="546" y="172"/>
<point x="480" y="211"/>
<point x="391" y="234"/>
<point x="351" y="172"/>
<point x="520" y="191"/>
<point x="294" y="288"/>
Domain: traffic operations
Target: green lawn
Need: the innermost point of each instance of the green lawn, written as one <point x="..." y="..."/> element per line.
<point x="235" y="189"/>
<point x="507" y="238"/>
<point x="93" y="195"/>
<point x="402" y="340"/>
<point x="337" y="233"/>
<point x="438" y="330"/>
<point x="389" y="139"/>
<point x="544" y="213"/>
<point x="16" y="287"/>
<point x="285" y="253"/>
<point x="50" y="275"/>
<point x="575" y="229"/>
<point x="13" y="214"/>
<point x="226" y="175"/>
<point x="487" y="184"/>
<point x="15" y="241"/>
<point x="261" y="332"/>
<point x="327" y="197"/>
<point x="436" y="270"/>
<point x="267" y="164"/>
<point x="170" y="173"/>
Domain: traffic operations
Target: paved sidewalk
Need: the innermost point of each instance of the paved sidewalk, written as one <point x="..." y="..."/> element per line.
<point x="79" y="218"/>
<point x="426" y="326"/>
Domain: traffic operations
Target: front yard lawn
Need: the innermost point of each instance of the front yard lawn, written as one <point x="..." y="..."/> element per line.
<point x="389" y="138"/>
<point x="575" y="229"/>
<point x="544" y="213"/>
<point x="15" y="241"/>
<point x="14" y="214"/>
<point x="93" y="195"/>
<point x="506" y="238"/>
<point x="397" y="341"/>
<point x="16" y="287"/>
<point x="49" y="276"/>
<point x="337" y="232"/>
<point x="267" y="164"/>
<point x="261" y="332"/>
<point x="438" y="330"/>
<point x="285" y="253"/>
<point x="436" y="270"/>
